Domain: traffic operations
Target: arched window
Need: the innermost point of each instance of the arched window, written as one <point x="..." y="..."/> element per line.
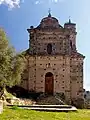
<point x="49" y="48"/>
<point x="71" y="44"/>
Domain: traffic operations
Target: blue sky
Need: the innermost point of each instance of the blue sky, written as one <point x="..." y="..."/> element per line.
<point x="16" y="16"/>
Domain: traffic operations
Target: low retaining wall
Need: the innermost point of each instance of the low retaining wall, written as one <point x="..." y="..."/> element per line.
<point x="1" y="106"/>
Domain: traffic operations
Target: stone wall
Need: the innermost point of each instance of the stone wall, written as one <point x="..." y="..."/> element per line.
<point x="68" y="75"/>
<point x="62" y="41"/>
<point x="76" y="74"/>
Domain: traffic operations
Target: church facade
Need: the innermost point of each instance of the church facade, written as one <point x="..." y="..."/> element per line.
<point x="53" y="63"/>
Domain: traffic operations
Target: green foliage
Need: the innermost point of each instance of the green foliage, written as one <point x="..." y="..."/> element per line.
<point x="20" y="114"/>
<point x="15" y="107"/>
<point x="11" y="64"/>
<point x="18" y="65"/>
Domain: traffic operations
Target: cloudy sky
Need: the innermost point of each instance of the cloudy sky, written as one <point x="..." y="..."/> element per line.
<point x="18" y="15"/>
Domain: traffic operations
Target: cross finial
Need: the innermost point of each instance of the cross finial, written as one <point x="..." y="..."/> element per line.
<point x="49" y="12"/>
<point x="69" y="19"/>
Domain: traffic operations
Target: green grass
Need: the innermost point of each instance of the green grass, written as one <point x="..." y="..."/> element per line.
<point x="19" y="114"/>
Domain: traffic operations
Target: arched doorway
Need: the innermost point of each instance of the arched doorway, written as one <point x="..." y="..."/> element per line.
<point x="49" y="83"/>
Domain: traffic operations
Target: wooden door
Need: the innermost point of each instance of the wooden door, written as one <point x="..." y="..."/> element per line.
<point x="49" y="85"/>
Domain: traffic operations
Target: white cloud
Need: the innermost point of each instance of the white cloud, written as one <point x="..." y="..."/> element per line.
<point x="11" y="3"/>
<point x="16" y="3"/>
<point x="55" y="1"/>
<point x="48" y="1"/>
<point x="37" y="2"/>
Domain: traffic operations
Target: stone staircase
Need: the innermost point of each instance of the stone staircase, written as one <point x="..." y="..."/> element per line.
<point x="49" y="100"/>
<point x="48" y="103"/>
<point x="55" y="108"/>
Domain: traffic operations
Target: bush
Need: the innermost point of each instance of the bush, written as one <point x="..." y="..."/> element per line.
<point x="79" y="102"/>
<point x="15" y="107"/>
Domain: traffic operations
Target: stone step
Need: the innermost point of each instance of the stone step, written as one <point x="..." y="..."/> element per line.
<point x="52" y="109"/>
<point x="45" y="106"/>
<point x="48" y="107"/>
<point x="51" y="106"/>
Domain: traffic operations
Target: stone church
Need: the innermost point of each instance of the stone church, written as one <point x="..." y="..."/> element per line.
<point x="53" y="63"/>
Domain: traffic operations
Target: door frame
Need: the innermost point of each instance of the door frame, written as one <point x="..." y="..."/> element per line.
<point x="51" y="75"/>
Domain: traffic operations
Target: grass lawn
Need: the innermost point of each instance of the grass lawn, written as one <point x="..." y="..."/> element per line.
<point x="19" y="114"/>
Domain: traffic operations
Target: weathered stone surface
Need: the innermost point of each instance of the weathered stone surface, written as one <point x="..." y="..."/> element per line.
<point x="18" y="101"/>
<point x="1" y="106"/>
<point x="52" y="49"/>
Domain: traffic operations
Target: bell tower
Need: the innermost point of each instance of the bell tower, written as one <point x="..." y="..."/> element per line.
<point x="71" y="27"/>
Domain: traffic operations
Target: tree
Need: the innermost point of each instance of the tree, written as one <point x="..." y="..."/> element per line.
<point x="11" y="64"/>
